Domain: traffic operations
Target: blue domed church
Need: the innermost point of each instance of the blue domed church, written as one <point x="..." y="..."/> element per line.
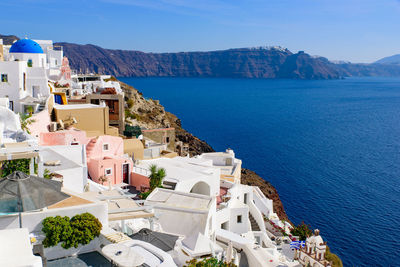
<point x="26" y="46"/>
<point x="26" y="68"/>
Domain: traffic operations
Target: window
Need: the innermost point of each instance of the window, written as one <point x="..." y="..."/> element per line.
<point x="245" y="198"/>
<point x="108" y="172"/>
<point x="11" y="106"/>
<point x="239" y="219"/>
<point x="30" y="63"/>
<point x="105" y="147"/>
<point x="167" y="139"/>
<point x="4" y="78"/>
<point x="24" y="81"/>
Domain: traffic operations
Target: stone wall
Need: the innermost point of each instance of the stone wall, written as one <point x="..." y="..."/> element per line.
<point x="162" y="136"/>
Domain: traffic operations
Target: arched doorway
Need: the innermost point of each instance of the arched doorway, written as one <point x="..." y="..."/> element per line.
<point x="201" y="188"/>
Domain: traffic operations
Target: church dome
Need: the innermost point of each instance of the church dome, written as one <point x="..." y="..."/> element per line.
<point x="26" y="46"/>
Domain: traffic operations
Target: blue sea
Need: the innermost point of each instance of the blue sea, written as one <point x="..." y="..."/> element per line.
<point x="330" y="147"/>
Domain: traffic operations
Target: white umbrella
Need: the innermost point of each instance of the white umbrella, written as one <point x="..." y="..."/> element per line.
<point x="122" y="255"/>
<point x="229" y="253"/>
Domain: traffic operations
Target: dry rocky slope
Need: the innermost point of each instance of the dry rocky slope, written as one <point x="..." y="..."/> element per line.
<point x="150" y="113"/>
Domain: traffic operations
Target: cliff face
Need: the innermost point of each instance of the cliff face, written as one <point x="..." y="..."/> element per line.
<point x="234" y="63"/>
<point x="270" y="63"/>
<point x="369" y="70"/>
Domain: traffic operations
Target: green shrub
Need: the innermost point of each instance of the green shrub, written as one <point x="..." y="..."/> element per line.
<point x="144" y="195"/>
<point x="47" y="174"/>
<point x="80" y="229"/>
<point x="208" y="262"/>
<point x="130" y="115"/>
<point x="10" y="166"/>
<point x="302" y="231"/>
<point x="130" y="103"/>
<point x="85" y="227"/>
<point x="57" y="229"/>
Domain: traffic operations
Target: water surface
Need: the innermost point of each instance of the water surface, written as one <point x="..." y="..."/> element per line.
<point x="331" y="148"/>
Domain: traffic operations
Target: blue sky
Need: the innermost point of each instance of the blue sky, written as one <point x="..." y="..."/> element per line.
<point x="353" y="30"/>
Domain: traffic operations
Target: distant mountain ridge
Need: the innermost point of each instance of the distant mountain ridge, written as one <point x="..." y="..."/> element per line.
<point x="395" y="59"/>
<point x="234" y="63"/>
<point x="8" y="39"/>
<point x="260" y="62"/>
<point x="270" y="63"/>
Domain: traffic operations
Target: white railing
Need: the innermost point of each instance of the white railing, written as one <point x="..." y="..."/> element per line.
<point x="262" y="202"/>
<point x="141" y="171"/>
<point x="264" y="238"/>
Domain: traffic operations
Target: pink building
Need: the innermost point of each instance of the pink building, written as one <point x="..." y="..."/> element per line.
<point x="65" y="69"/>
<point x="140" y="179"/>
<point x="105" y="154"/>
<point x="106" y="160"/>
<point x="64" y="138"/>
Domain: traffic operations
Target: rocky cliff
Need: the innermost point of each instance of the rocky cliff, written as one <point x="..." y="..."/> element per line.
<point x="235" y="63"/>
<point x="269" y="63"/>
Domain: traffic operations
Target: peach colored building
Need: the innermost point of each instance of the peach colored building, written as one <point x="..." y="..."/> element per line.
<point x="140" y="179"/>
<point x="106" y="161"/>
<point x="63" y="138"/>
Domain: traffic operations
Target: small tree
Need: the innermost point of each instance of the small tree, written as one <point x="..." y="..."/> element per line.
<point x="156" y="176"/>
<point x="25" y="122"/>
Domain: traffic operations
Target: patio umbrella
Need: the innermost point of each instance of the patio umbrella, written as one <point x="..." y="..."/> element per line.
<point x="21" y="192"/>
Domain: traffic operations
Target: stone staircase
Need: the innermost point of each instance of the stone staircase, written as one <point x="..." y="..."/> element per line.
<point x="253" y="223"/>
<point x="89" y="147"/>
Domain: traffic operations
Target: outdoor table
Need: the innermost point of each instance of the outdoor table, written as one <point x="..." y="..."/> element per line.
<point x="122" y="255"/>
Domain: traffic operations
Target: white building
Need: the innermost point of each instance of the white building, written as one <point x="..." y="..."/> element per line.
<point x="68" y="163"/>
<point x="229" y="165"/>
<point x="10" y="129"/>
<point x="26" y="68"/>
<point x="83" y="84"/>
<point x="190" y="175"/>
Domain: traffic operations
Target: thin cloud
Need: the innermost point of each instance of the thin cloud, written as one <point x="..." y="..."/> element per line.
<point x="188" y="7"/>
